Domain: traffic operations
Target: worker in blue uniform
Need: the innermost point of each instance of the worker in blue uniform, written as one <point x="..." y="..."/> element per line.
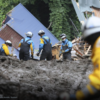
<point x="4" y="51"/>
<point x="66" y="48"/>
<point x="25" y="45"/>
<point x="45" y="45"/>
<point x="91" y="34"/>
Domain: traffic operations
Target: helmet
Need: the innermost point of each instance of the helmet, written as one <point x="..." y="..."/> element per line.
<point x="29" y="34"/>
<point x="8" y="42"/>
<point x="91" y="27"/>
<point x="62" y="34"/>
<point x="41" y="32"/>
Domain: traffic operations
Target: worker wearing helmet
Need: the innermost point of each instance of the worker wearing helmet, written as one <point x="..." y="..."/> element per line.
<point x="25" y="45"/>
<point x="91" y="34"/>
<point x="66" y="47"/>
<point x="4" y="51"/>
<point x="45" y="44"/>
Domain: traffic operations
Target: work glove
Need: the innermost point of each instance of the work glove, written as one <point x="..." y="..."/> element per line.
<point x="37" y="54"/>
<point x="64" y="96"/>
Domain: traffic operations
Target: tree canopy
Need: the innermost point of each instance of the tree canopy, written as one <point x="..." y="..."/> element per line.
<point x="54" y="12"/>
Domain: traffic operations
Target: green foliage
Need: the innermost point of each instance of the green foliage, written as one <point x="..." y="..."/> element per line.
<point x="56" y="11"/>
<point x="24" y="2"/>
<point x="61" y="11"/>
<point x="6" y="6"/>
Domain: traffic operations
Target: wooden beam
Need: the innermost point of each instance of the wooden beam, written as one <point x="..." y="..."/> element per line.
<point x="76" y="40"/>
<point x="79" y="56"/>
<point x="87" y="50"/>
<point x="78" y="51"/>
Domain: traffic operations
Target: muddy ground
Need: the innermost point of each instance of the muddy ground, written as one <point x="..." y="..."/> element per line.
<point x="41" y="80"/>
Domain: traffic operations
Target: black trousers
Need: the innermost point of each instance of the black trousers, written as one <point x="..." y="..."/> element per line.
<point x="24" y="55"/>
<point x="67" y="55"/>
<point x="46" y="55"/>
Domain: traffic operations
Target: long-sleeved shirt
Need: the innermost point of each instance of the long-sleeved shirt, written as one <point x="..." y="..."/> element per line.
<point x="68" y="44"/>
<point x="94" y="86"/>
<point x="5" y="49"/>
<point x="29" y="42"/>
<point x="42" y="42"/>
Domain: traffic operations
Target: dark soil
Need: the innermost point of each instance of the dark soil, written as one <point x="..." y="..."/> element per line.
<point x="41" y="80"/>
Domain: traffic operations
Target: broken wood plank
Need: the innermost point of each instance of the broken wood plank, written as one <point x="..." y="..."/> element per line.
<point x="76" y="40"/>
<point x="88" y="55"/>
<point x="78" y="51"/>
<point x="79" y="56"/>
<point x="87" y="50"/>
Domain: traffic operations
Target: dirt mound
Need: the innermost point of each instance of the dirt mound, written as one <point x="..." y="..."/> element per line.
<point x="41" y="80"/>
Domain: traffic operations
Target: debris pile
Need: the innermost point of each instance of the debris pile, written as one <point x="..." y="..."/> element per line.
<point x="81" y="48"/>
<point x="56" y="51"/>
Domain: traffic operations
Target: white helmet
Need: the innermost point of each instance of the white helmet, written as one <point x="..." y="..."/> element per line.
<point x="30" y="34"/>
<point x="8" y="42"/>
<point x="91" y="26"/>
<point x="63" y="36"/>
<point x="41" y="32"/>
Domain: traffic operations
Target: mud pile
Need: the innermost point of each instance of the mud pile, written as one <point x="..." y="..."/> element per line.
<point x="41" y="80"/>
